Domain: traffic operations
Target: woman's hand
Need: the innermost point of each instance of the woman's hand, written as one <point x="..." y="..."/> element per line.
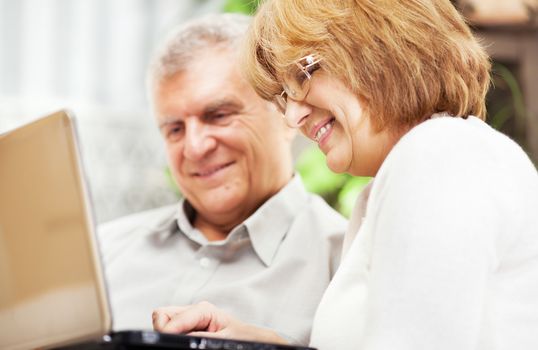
<point x="204" y="319"/>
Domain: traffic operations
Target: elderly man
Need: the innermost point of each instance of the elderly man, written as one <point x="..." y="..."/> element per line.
<point x="246" y="237"/>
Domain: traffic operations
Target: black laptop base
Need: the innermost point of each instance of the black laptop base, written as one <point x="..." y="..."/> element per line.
<point x="145" y="340"/>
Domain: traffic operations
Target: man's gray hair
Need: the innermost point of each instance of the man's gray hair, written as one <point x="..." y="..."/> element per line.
<point x="187" y="40"/>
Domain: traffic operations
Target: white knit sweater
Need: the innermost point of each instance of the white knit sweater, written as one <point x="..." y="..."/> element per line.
<point x="442" y="248"/>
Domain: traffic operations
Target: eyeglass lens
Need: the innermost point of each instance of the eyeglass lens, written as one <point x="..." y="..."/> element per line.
<point x="297" y="81"/>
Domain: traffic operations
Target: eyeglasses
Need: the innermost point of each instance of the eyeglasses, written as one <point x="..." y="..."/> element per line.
<point x="296" y="82"/>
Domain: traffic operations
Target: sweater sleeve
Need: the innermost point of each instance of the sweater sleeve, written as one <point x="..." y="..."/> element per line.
<point x="434" y="214"/>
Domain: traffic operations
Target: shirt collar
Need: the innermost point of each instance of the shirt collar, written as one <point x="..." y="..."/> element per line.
<point x="266" y="227"/>
<point x="184" y="216"/>
<point x="164" y="225"/>
<point x="357" y="216"/>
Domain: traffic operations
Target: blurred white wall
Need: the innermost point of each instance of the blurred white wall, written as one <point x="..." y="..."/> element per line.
<point x="90" y="56"/>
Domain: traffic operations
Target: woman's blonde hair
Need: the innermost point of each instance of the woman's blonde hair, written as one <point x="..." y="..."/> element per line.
<point x="405" y="60"/>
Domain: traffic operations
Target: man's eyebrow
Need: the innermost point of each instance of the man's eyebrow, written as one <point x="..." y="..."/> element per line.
<point x="168" y="120"/>
<point x="209" y="110"/>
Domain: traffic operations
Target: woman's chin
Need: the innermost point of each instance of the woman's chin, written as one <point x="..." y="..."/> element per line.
<point x="337" y="165"/>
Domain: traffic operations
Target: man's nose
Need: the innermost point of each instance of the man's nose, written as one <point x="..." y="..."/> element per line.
<point x="199" y="140"/>
<point x="296" y="113"/>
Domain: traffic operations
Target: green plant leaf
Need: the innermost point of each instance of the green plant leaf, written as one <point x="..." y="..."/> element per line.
<point x="517" y="96"/>
<point x="172" y="182"/>
<point x="501" y="117"/>
<point x="349" y="192"/>
<point x="317" y="177"/>
<point x="247" y="7"/>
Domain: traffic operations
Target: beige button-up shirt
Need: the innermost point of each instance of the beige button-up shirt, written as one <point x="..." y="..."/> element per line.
<point x="270" y="271"/>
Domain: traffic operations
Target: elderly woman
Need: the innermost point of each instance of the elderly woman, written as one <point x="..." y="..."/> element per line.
<point x="442" y="248"/>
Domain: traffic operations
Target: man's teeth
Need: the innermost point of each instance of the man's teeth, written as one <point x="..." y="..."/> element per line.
<point x="323" y="130"/>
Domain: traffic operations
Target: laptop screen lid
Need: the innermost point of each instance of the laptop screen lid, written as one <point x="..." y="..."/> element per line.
<point x="50" y="275"/>
<point x="52" y="290"/>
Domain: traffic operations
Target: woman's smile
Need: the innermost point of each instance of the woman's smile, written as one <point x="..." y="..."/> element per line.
<point x="321" y="132"/>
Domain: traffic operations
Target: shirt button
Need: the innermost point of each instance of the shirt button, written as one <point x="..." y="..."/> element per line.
<point x="205" y="262"/>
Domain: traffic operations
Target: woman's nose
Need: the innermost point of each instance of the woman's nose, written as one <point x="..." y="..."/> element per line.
<point x="296" y="113"/>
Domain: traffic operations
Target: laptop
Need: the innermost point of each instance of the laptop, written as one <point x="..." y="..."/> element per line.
<point x="52" y="289"/>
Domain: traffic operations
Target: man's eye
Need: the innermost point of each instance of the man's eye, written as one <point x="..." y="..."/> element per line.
<point x="174" y="133"/>
<point x="218" y="116"/>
